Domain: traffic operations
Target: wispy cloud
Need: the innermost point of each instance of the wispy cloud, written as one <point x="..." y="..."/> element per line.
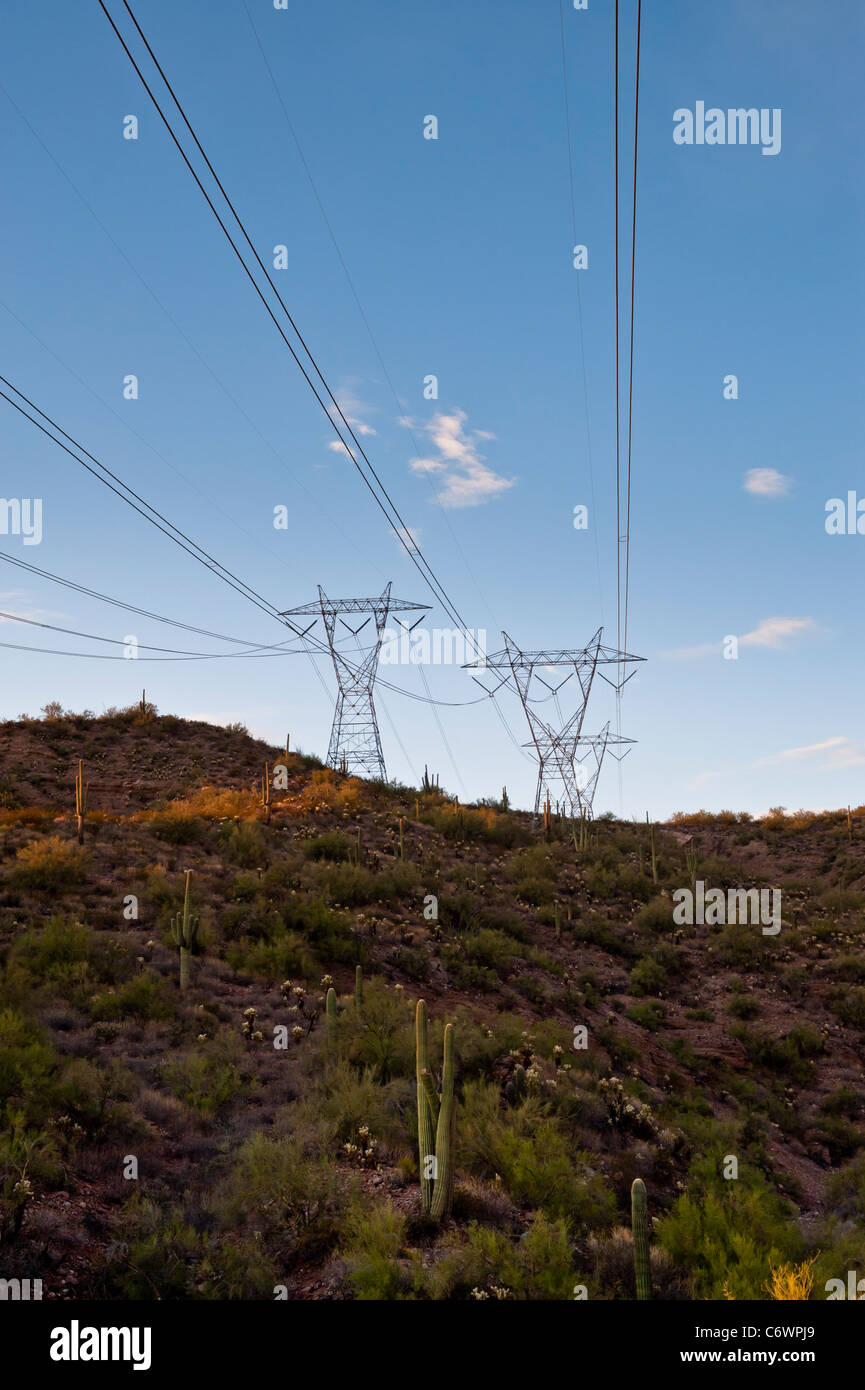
<point x="771" y="632"/>
<point x="774" y="632"/>
<point x="836" y="752"/>
<point x="409" y="534"/>
<point x="354" y="410"/>
<point x="767" y="482"/>
<point x="458" y="469"/>
<point x="690" y="653"/>
<point x="15" y="601"/>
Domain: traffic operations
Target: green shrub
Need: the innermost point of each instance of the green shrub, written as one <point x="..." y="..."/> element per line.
<point x="486" y="1263"/>
<point x="742" y="947"/>
<point x="326" y="930"/>
<point x="243" y="843"/>
<point x="648" y="976"/>
<point x="534" y="891"/>
<point x="50" y="865"/>
<point x="743" y="1006"/>
<point x="726" y="1236"/>
<point x="382" y="1037"/>
<point x="849" y="1006"/>
<point x="656" y="916"/>
<point x="178" y="829"/>
<point x="492" y="949"/>
<point x="332" y="845"/>
<point x="285" y="956"/>
<point x="285" y="1188"/>
<point x="143" y="997"/>
<point x="28" y="1069"/>
<point x="537" y="1164"/>
<point x="791" y="1054"/>
<point x="651" y="1015"/>
<point x="206" y="1080"/>
<point x="375" y="1240"/>
<point x="846" y="1191"/>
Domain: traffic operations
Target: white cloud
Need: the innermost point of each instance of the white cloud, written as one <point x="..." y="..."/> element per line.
<point x="767" y="482"/>
<point x="353" y="409"/>
<point x="773" y="632"/>
<point x="838" y="752"/>
<point x="690" y="653"/>
<point x="12" y="600"/>
<point x="409" y="534"/>
<point x="462" y="477"/>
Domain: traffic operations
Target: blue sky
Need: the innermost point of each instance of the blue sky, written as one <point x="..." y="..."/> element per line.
<point x="459" y="253"/>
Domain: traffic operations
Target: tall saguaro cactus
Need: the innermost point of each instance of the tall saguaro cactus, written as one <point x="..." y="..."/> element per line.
<point x="436" y="1116"/>
<point x="640" y="1231"/>
<point x="81" y="791"/>
<point x="184" y="930"/>
<point x="652" y="845"/>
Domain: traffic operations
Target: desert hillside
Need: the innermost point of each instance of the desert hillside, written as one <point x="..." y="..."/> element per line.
<point x="254" y="1131"/>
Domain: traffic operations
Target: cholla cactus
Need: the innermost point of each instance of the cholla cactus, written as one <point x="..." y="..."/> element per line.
<point x="515" y="1089"/>
<point x="184" y="931"/>
<point x="248" y="1028"/>
<point x="436" y="1115"/>
<point x="362" y="1149"/>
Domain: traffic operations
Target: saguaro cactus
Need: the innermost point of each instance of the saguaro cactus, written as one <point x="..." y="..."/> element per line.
<point x="358" y="987"/>
<point x="330" y="1012"/>
<point x="692" y="863"/>
<point x="436" y="1115"/>
<point x="265" y="793"/>
<point x="80" y="800"/>
<point x="652" y="846"/>
<point x="184" y="930"/>
<point x="640" y="1231"/>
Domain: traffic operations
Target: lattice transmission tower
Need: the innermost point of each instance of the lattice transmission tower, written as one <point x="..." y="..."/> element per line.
<point x="565" y="754"/>
<point x="355" y="744"/>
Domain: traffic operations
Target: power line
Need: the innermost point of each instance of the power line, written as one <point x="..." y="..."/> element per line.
<point x="117" y="603"/>
<point x="387" y="507"/>
<point x="579" y="299"/>
<point x="145" y="509"/>
<point x="400" y="526"/>
<point x="355" y="295"/>
<point x="144" y="646"/>
<point x="616" y="257"/>
<point x="631" y="363"/>
<point x="277" y="649"/>
<point x="298" y="482"/>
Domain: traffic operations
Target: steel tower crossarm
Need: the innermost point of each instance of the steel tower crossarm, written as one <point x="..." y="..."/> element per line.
<point x="355" y="743"/>
<point x="558" y="749"/>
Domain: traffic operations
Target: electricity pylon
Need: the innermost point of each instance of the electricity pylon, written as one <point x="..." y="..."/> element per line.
<point x="558" y="749"/>
<point x="355" y="744"/>
<point x="562" y="761"/>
